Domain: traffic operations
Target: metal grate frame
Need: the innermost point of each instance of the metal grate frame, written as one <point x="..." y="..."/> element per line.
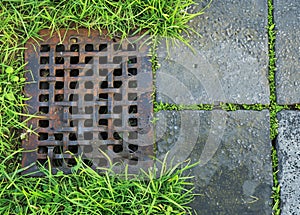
<point x="92" y="94"/>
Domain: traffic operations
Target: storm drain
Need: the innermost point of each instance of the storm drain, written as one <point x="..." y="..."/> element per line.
<point x="93" y="98"/>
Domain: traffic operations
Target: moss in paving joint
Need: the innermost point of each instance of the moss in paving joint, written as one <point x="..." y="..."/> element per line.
<point x="274" y="107"/>
<point x="159" y="106"/>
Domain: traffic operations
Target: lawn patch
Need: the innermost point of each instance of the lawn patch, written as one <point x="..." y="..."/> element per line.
<point x="84" y="191"/>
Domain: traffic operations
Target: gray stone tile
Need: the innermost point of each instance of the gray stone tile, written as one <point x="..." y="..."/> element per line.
<point x="287" y="19"/>
<point x="235" y="171"/>
<point x="230" y="62"/>
<point x="288" y="147"/>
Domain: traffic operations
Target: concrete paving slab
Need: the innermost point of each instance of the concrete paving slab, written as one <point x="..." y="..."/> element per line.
<point x="287" y="19"/>
<point x="235" y="171"/>
<point x="288" y="147"/>
<point x="230" y="62"/>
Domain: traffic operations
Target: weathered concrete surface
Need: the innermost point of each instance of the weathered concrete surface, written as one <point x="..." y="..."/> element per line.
<point x="288" y="145"/>
<point x="234" y="149"/>
<point x="230" y="62"/>
<point x="287" y="19"/>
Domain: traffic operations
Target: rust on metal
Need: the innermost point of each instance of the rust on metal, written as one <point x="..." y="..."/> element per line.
<point x="93" y="96"/>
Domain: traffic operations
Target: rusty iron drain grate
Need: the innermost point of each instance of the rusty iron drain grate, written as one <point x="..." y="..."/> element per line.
<point x="93" y="95"/>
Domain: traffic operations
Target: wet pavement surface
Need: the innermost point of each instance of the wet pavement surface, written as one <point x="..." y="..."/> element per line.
<point x="230" y="64"/>
<point x="288" y="146"/>
<point x="287" y="17"/>
<point x="235" y="172"/>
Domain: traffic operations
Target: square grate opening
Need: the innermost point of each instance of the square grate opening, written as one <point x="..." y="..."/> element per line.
<point x="93" y="95"/>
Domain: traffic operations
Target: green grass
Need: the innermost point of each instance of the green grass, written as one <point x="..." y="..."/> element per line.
<point x="84" y="192"/>
<point x="23" y="19"/>
<point x="11" y="104"/>
<point x="87" y="192"/>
